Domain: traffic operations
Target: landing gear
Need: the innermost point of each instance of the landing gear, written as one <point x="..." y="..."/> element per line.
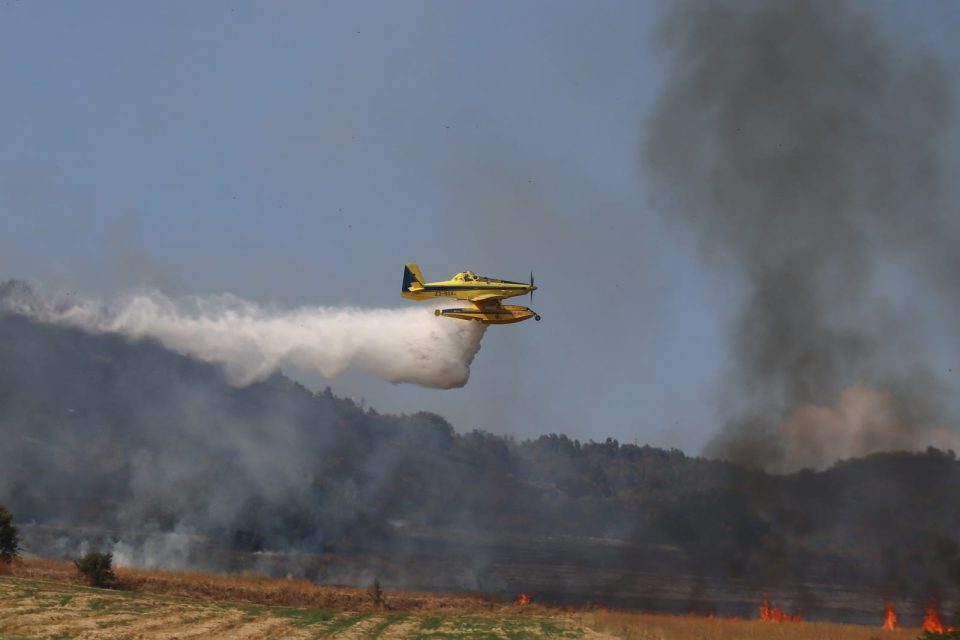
<point x="536" y="317"/>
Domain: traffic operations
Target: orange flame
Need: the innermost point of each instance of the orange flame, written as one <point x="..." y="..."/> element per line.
<point x="523" y="599"/>
<point x="773" y="614"/>
<point x="890" y="622"/>
<point x="931" y="621"/>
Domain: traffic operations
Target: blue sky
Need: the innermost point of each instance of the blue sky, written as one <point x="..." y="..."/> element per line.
<point x="300" y="153"/>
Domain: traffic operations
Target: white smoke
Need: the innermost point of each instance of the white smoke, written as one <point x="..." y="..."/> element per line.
<point x="863" y="420"/>
<point x="251" y="341"/>
<point x="169" y="550"/>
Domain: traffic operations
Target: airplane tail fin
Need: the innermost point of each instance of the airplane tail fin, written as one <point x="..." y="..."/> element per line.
<point x="411" y="277"/>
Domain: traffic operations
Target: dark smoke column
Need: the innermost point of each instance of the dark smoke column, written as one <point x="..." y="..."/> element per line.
<point x="805" y="149"/>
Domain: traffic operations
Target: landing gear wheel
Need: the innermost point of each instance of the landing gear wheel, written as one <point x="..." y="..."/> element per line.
<point x="536" y="317"/>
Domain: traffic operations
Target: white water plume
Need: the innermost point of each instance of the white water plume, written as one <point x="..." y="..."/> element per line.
<point x="251" y="341"/>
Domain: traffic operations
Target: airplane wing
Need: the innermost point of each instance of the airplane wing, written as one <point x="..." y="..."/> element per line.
<point x="486" y="298"/>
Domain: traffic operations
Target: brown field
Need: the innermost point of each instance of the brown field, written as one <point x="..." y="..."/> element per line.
<point x="45" y="599"/>
<point x="256" y="589"/>
<point x="644" y="626"/>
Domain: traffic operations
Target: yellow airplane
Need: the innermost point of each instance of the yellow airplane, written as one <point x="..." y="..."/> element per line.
<point x="484" y="293"/>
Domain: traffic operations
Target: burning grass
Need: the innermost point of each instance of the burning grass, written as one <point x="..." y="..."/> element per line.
<point x="932" y="623"/>
<point x="776" y="614"/>
<point x="642" y="626"/>
<point x="890" y="620"/>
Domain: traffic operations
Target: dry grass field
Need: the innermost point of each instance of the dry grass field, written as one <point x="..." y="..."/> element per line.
<point x="261" y="590"/>
<point x="43" y="599"/>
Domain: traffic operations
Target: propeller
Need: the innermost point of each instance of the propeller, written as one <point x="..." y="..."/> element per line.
<point x="531" y="287"/>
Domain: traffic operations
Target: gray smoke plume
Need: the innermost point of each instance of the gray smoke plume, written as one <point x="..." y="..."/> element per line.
<point x="250" y="341"/>
<point x="807" y="149"/>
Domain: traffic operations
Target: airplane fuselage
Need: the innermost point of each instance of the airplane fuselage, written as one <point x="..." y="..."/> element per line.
<point x="500" y="289"/>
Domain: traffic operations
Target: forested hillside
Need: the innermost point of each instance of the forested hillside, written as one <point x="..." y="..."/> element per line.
<point x="106" y="442"/>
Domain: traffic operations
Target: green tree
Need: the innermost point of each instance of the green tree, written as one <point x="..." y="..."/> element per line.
<point x="375" y="593"/>
<point x="97" y="569"/>
<point x="9" y="537"/>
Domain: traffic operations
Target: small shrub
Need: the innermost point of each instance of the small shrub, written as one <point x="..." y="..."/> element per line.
<point x="376" y="595"/>
<point x="9" y="538"/>
<point x="97" y="569"/>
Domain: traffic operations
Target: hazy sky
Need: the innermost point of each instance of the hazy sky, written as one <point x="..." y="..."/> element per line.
<point x="299" y="153"/>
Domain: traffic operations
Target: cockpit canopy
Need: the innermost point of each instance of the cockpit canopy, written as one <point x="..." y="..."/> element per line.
<point x="467" y="276"/>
